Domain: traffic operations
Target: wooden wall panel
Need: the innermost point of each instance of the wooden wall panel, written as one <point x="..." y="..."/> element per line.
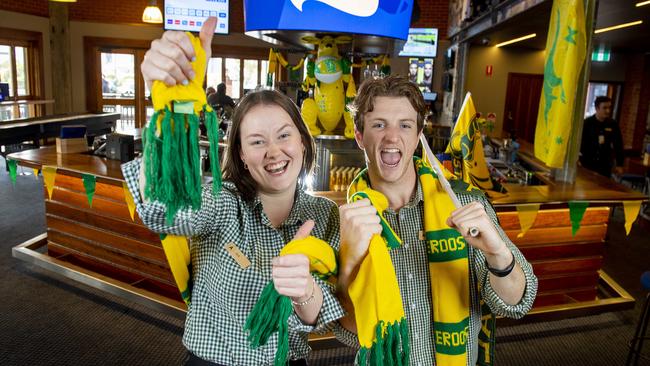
<point x="567" y="266"/>
<point x="115" y="243"/>
<point x="556" y="235"/>
<point x="104" y="254"/>
<point x="554" y="218"/>
<point x="80" y="200"/>
<point x="95" y="218"/>
<point x="561" y="251"/>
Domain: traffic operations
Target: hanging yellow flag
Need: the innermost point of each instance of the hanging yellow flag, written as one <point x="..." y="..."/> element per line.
<point x="49" y="175"/>
<point x="129" y="200"/>
<point x="466" y="148"/>
<point x="527" y="215"/>
<point x="631" y="209"/>
<point x="177" y="251"/>
<point x="565" y="54"/>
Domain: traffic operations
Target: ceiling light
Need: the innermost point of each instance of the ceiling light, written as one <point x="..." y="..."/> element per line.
<point x="643" y="3"/>
<point x="516" y="40"/>
<point x="624" y="25"/>
<point x="152" y="13"/>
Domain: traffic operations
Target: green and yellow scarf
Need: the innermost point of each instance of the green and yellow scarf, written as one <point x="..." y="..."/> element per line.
<point x="272" y="310"/>
<point x="379" y="313"/>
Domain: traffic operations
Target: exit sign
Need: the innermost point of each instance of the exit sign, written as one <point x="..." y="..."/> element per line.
<point x="601" y="53"/>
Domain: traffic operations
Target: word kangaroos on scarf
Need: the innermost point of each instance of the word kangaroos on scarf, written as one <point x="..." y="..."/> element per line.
<point x="445" y="245"/>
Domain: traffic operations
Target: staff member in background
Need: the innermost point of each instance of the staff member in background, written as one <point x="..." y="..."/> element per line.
<point x="601" y="138"/>
<point x="261" y="207"/>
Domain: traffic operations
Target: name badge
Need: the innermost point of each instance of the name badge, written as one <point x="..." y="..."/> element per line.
<point x="601" y="139"/>
<point x="237" y="255"/>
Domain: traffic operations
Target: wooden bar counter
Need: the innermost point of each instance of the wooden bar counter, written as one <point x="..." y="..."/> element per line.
<point x="100" y="245"/>
<point x="105" y="240"/>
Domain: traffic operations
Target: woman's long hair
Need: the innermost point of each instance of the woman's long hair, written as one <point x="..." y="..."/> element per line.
<point x="234" y="170"/>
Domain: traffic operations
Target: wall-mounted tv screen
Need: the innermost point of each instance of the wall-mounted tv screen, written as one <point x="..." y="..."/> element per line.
<point x="421" y="42"/>
<point x="189" y="15"/>
<point x="387" y="18"/>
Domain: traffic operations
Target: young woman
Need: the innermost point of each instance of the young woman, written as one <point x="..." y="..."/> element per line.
<point x="261" y="207"/>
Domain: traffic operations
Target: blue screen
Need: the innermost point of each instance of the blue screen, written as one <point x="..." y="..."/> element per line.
<point x="387" y="18"/>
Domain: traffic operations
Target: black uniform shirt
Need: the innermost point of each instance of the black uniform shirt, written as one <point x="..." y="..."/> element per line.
<point x="601" y="140"/>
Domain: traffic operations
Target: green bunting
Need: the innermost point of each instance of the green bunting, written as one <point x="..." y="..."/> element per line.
<point x="12" y="170"/>
<point x="576" y="212"/>
<point x="89" y="185"/>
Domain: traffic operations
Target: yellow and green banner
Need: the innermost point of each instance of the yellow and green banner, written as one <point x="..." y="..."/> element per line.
<point x="577" y="211"/>
<point x="527" y="214"/>
<point x="49" y="176"/>
<point x="89" y="181"/>
<point x="565" y="54"/>
<point x="12" y="165"/>
<point x="631" y="209"/>
<point x="129" y="200"/>
<point x="466" y="149"/>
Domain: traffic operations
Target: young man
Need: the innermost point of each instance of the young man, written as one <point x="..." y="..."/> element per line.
<point x="602" y="141"/>
<point x="388" y="121"/>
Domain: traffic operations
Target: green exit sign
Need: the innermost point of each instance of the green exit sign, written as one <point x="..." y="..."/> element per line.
<point x="601" y="54"/>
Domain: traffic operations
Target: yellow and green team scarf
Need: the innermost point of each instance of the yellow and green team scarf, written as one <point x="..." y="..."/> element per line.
<point x="171" y="155"/>
<point x="379" y="313"/>
<point x="171" y="158"/>
<point x="272" y="310"/>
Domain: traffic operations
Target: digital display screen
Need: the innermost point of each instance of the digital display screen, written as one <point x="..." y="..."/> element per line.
<point x="189" y="15"/>
<point x="421" y="42"/>
<point x="388" y="18"/>
<point x="420" y="72"/>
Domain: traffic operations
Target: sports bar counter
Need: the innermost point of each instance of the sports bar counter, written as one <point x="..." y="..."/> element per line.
<point x="102" y="246"/>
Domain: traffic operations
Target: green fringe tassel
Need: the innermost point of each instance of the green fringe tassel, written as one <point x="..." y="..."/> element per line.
<point x="269" y="315"/>
<point x="172" y="160"/>
<point x="390" y="348"/>
<point x="212" y="125"/>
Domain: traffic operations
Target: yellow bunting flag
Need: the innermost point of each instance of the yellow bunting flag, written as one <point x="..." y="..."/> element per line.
<point x="527" y="215"/>
<point x="177" y="251"/>
<point x="36" y="173"/>
<point x="129" y="200"/>
<point x="49" y="175"/>
<point x="631" y="209"/>
<point x="566" y="48"/>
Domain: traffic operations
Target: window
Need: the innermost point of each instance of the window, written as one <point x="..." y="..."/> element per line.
<point x="240" y="75"/>
<point x="214" y="72"/>
<point x="15" y="69"/>
<point x="251" y="74"/>
<point x="233" y="67"/>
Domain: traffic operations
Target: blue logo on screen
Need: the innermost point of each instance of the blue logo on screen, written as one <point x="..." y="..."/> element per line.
<point x="199" y="23"/>
<point x="389" y="18"/>
<point x="169" y="21"/>
<point x="222" y="15"/>
<point x="184" y="22"/>
<point x="222" y="25"/>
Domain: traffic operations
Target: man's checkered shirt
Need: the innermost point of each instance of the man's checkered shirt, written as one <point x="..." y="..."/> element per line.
<point x="412" y="269"/>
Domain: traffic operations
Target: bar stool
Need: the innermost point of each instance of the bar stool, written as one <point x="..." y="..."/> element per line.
<point x="636" y="344"/>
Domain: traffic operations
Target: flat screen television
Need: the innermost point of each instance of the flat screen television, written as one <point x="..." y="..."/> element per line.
<point x="385" y="18"/>
<point x="421" y="42"/>
<point x="189" y="15"/>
